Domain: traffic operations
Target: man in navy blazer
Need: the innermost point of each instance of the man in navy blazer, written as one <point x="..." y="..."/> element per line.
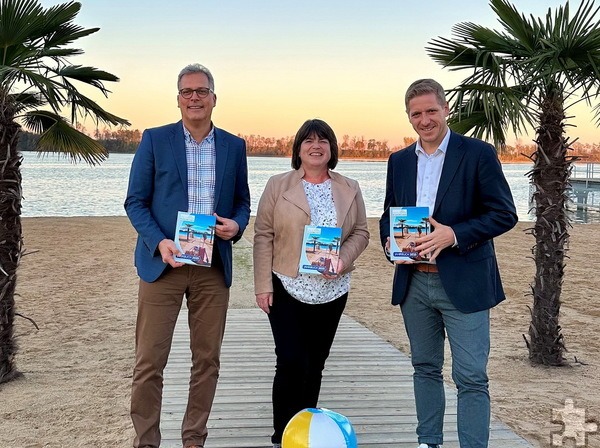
<point x="195" y="167"/>
<point x="460" y="180"/>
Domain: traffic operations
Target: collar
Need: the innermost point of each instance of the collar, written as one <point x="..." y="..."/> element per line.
<point x="443" y="145"/>
<point x="210" y="138"/>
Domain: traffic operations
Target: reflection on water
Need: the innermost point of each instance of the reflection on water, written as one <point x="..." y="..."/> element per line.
<point x="585" y="204"/>
<point x="54" y="186"/>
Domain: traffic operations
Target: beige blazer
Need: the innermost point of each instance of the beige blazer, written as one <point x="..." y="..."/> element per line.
<point x="283" y="212"/>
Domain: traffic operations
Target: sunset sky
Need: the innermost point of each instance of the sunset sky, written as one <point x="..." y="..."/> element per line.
<point x="278" y="63"/>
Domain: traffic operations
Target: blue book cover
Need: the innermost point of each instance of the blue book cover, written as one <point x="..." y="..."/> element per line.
<point x="406" y="225"/>
<point x="194" y="237"/>
<point x="320" y="250"/>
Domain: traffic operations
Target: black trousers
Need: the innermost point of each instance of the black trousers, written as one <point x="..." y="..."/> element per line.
<point x="303" y="335"/>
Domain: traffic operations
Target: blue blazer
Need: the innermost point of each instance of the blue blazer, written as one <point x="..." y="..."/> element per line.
<point x="474" y="199"/>
<point x="158" y="190"/>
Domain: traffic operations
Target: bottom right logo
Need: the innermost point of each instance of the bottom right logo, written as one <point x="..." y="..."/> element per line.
<point x="575" y="425"/>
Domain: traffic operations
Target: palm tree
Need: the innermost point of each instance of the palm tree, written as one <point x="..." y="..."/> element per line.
<point x="337" y="240"/>
<point x="528" y="75"/>
<point x="36" y="83"/>
<point x="212" y="233"/>
<point x="426" y="224"/>
<point x="402" y="221"/>
<point x="188" y="229"/>
<point x="315" y="241"/>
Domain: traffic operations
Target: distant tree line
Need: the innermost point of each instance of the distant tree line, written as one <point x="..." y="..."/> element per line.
<point x="350" y="147"/>
<point x="27" y="141"/>
<point x="127" y="141"/>
<point x="120" y="141"/>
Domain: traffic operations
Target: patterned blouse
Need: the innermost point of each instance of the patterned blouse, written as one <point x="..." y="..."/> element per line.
<point x="311" y="288"/>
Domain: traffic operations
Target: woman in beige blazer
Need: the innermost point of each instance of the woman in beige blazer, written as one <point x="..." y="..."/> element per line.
<point x="304" y="309"/>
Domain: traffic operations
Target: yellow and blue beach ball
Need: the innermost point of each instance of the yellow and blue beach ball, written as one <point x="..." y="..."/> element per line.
<point x="318" y="428"/>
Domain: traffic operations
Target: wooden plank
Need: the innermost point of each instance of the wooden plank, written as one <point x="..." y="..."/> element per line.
<point x="365" y="378"/>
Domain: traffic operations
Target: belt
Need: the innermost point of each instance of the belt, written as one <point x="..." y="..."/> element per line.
<point x="425" y="267"/>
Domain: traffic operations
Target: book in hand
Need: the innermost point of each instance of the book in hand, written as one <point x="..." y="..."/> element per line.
<point x="406" y="225"/>
<point x="320" y="250"/>
<point x="194" y="237"/>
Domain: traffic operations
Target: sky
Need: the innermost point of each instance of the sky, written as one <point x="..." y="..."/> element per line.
<point x="278" y="63"/>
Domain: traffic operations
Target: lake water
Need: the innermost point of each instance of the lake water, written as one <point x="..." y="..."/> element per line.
<point x="54" y="186"/>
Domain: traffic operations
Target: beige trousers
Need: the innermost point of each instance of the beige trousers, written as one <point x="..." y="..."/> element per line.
<point x="159" y="303"/>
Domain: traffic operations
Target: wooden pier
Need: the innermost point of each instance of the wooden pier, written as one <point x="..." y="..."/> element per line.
<point x="585" y="189"/>
<point x="365" y="378"/>
<point x="587" y="175"/>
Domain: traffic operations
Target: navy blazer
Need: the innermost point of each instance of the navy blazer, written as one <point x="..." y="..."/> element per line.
<point x="158" y="189"/>
<point x="473" y="198"/>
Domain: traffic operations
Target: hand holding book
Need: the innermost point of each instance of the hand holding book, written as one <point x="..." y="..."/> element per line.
<point x="168" y="251"/>
<point x="424" y="246"/>
<point x="226" y="228"/>
<point x="338" y="269"/>
<point x="440" y="238"/>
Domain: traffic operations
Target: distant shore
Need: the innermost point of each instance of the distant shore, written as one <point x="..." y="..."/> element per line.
<point x="358" y="159"/>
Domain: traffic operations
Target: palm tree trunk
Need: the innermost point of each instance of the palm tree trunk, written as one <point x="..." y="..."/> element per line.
<point x="10" y="236"/>
<point x="550" y="177"/>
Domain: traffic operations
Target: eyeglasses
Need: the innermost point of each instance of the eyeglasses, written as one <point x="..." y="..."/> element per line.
<point x="202" y="92"/>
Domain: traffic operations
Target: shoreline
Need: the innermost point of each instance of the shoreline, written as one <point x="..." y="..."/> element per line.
<point x="357" y="159"/>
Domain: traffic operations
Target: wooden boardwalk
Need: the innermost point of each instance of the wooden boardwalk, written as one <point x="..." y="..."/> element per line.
<point x="365" y="378"/>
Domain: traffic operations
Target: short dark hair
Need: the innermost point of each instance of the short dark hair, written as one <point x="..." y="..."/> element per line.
<point x="425" y="87"/>
<point x="321" y="130"/>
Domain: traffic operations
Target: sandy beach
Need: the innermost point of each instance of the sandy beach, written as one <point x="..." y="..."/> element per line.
<point x="78" y="283"/>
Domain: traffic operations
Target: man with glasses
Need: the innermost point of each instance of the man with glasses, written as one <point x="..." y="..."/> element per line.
<point x="187" y="166"/>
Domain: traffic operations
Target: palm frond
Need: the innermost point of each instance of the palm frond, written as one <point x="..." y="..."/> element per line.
<point x="596" y="111"/>
<point x="66" y="34"/>
<point x="58" y="136"/>
<point x="477" y="125"/>
<point x="81" y="105"/>
<point x="34" y="60"/>
<point x="39" y="121"/>
<point x="26" y="100"/>
<point x="58" y="25"/>
<point x="48" y="88"/>
<point x="521" y="30"/>
<point x="61" y="53"/>
<point x="485" y="111"/>
<point x="18" y="21"/>
<point x="88" y="75"/>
